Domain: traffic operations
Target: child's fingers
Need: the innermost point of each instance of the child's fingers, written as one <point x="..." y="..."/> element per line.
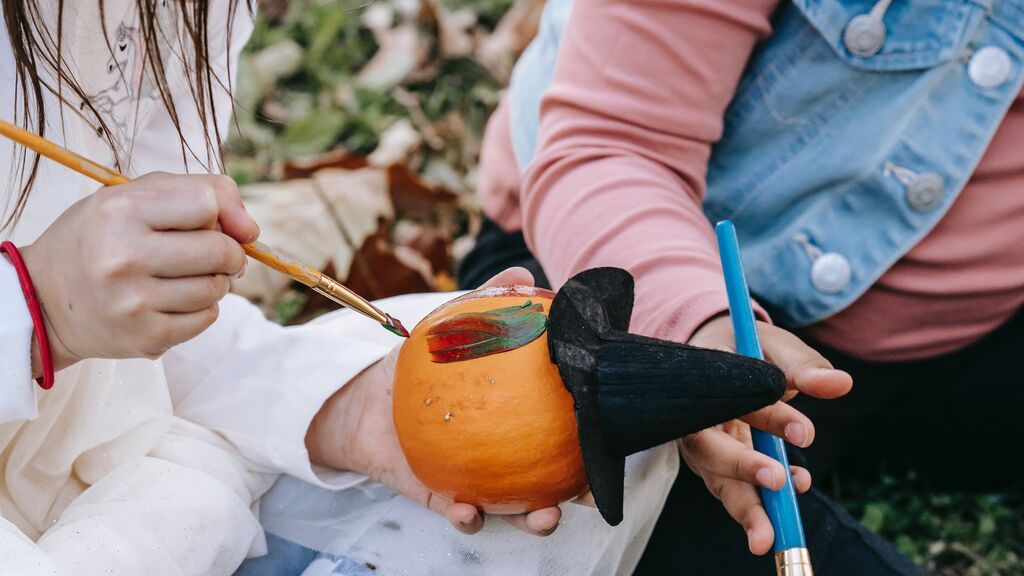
<point x="196" y="253"/>
<point x="801" y="478"/>
<point x="544" y="521"/>
<point x="823" y="382"/>
<point x="743" y="504"/>
<point x="464" y="517"/>
<point x="234" y="219"/>
<point x="189" y="206"/>
<point x="173" y="329"/>
<point x="784" y="421"/>
<point x="192" y="202"/>
<point x="541" y="522"/>
<point x="806" y="370"/>
<point x="717" y="455"/>
<point x="183" y="295"/>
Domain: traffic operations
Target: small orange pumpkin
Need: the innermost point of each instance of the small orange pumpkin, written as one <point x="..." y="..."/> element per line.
<point x="495" y="427"/>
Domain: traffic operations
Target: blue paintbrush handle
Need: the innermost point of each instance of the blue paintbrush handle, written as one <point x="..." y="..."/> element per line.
<point x="780" y="504"/>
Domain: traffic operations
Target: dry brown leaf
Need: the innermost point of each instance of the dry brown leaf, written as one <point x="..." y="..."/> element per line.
<point x="293" y="220"/>
<point x="378" y="18"/>
<point x="413" y="260"/>
<point x="318" y="221"/>
<point x="454" y="29"/>
<point x="440" y="174"/>
<point x="499" y="51"/>
<point x="411" y="103"/>
<point x="315" y="304"/>
<point x="280" y="59"/>
<point x="462" y="246"/>
<point x="397" y="143"/>
<point x="401" y="51"/>
<point x="306" y="167"/>
<point x="377" y="272"/>
<point x="408" y="9"/>
<point x="358" y="200"/>
<point x="410" y="195"/>
<point x="427" y="239"/>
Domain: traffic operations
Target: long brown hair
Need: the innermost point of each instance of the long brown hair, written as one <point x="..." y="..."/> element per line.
<point x="36" y="49"/>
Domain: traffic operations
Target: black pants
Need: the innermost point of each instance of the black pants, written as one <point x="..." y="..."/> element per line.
<point x="953" y="420"/>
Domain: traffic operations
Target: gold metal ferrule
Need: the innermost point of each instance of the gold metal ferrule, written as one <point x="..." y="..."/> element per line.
<point x="334" y="290"/>
<point x="793" y="562"/>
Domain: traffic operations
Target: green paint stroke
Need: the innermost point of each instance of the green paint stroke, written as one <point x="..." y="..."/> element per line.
<point x="478" y="334"/>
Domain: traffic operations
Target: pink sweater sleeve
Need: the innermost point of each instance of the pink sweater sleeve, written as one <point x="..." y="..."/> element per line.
<point x="637" y="99"/>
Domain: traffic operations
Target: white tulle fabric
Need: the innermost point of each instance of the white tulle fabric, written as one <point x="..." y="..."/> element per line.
<point x="371" y="525"/>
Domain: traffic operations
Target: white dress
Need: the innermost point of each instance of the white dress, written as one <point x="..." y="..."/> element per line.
<point x="135" y="467"/>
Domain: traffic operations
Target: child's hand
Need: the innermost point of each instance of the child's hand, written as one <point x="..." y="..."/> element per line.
<point x="355" y="431"/>
<point x="135" y="269"/>
<point x="724" y="456"/>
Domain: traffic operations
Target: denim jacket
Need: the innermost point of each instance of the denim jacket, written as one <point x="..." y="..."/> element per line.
<point x="852" y="131"/>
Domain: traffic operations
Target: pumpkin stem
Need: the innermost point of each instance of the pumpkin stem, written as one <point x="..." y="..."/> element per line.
<point x="477" y="334"/>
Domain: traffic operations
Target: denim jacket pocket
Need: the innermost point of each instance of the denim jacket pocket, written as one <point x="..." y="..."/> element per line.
<point x="916" y="34"/>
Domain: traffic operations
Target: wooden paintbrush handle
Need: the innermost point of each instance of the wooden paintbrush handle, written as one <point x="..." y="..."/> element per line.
<point x="297" y="270"/>
<point x="44" y="147"/>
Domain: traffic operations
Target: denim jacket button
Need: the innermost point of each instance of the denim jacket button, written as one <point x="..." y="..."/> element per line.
<point x="925" y="191"/>
<point x="830" y="273"/>
<point x="989" y="67"/>
<point x="864" y="35"/>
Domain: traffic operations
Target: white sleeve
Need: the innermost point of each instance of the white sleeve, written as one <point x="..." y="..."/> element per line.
<point x="17" y="390"/>
<point x="260" y="385"/>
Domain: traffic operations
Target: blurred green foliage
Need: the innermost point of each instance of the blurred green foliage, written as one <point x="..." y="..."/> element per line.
<point x="317" y="105"/>
<point x="950" y="533"/>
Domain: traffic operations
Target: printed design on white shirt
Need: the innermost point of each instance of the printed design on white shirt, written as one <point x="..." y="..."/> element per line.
<point x="127" y="87"/>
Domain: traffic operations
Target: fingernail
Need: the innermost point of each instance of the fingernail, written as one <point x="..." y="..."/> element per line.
<point x="820" y="372"/>
<point x="245" y="266"/>
<point x="796" y="433"/>
<point x="766" y="477"/>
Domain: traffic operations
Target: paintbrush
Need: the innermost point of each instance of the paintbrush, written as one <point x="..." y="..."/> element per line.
<point x="791" y="555"/>
<point x="309" y="276"/>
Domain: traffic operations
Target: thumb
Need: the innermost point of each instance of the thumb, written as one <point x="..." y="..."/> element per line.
<point x="806" y="369"/>
<point x="233" y="218"/>
<point x="510" y="276"/>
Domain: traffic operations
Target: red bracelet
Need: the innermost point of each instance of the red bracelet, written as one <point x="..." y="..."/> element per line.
<point x="35" y="310"/>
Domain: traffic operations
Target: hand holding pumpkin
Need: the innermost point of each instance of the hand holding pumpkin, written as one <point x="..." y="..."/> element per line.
<point x="355" y="431"/>
<point x="724" y="455"/>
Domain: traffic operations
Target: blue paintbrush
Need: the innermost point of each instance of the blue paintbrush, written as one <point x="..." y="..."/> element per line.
<point x="791" y="556"/>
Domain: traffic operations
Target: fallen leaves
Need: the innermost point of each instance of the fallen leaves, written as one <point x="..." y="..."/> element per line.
<point x="359" y="135"/>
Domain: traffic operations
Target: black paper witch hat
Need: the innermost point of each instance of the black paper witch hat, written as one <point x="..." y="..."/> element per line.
<point x="631" y="392"/>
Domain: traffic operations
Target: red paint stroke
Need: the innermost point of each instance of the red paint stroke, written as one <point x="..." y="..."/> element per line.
<point x="477" y="334"/>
